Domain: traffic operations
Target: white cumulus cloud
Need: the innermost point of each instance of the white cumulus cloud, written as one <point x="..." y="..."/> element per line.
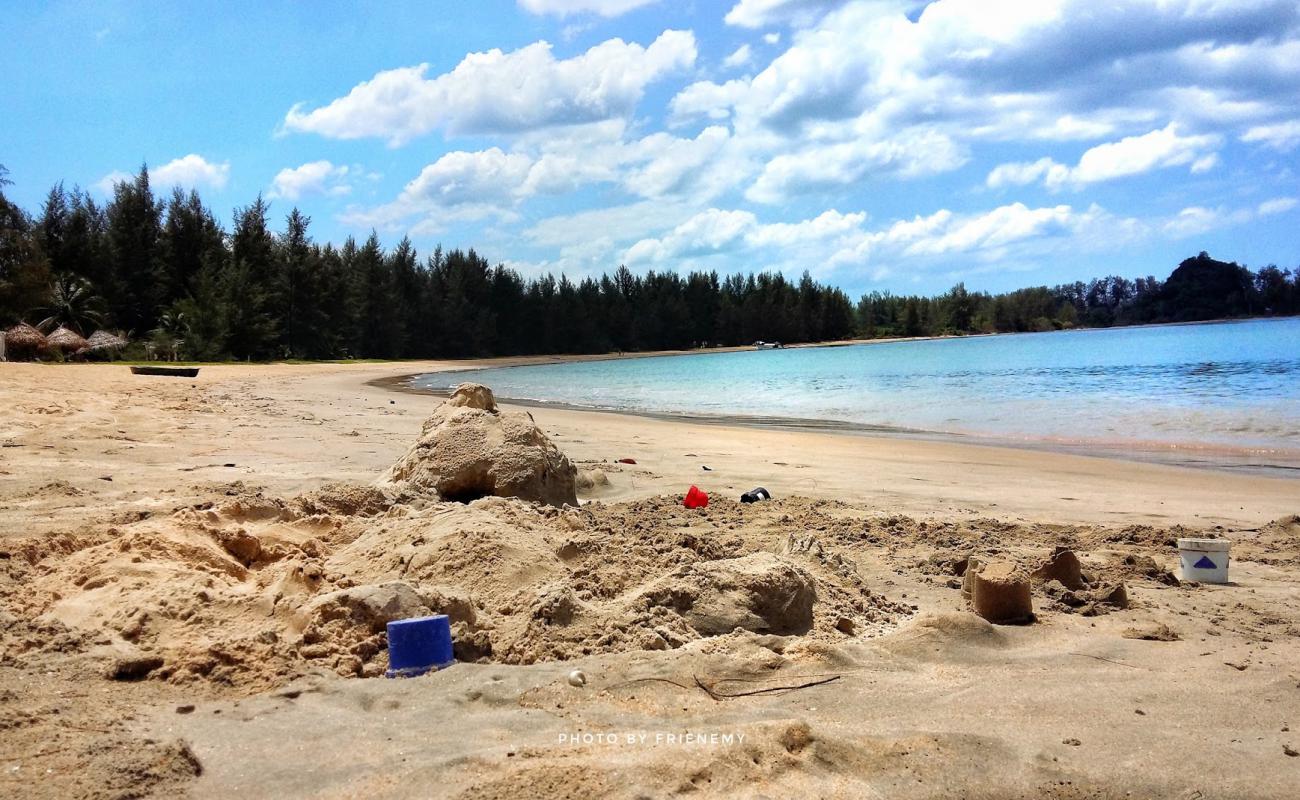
<point x="188" y="172"/>
<point x="760" y="13"/>
<point x="1281" y="136"/>
<point x="192" y="171"/>
<point x="707" y="99"/>
<point x="1010" y="232"/>
<point x="312" y="178"/>
<point x="997" y="228"/>
<point x="707" y="232"/>
<point x="821" y="167"/>
<point x="1278" y="205"/>
<point x="662" y="164"/>
<point x="496" y="92"/>
<point x="1016" y="71"/>
<point x="716" y="231"/>
<point x="1135" y="155"/>
<point x="740" y="57"/>
<point x="460" y="178"/>
<point x="942" y="240"/>
<point x="1132" y="155"/>
<point x="460" y="185"/>
<point x="1025" y="173"/>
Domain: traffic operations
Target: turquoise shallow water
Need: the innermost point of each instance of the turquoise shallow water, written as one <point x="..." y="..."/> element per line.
<point x="1226" y="386"/>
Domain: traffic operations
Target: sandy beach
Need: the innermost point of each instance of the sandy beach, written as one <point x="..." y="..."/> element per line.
<point x="147" y="650"/>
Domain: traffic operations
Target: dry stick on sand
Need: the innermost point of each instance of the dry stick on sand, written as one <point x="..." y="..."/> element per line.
<point x="716" y="695"/>
<point x="1109" y="661"/>
<point x="712" y="692"/>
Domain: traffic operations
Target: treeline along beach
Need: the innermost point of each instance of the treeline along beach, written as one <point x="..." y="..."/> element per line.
<point x="165" y="271"/>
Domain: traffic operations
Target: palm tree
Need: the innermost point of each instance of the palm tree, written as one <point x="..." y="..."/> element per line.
<point x="167" y="338"/>
<point x="172" y="322"/>
<point x="73" y="304"/>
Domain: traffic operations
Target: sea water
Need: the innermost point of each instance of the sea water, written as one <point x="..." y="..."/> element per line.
<point x="1196" y="391"/>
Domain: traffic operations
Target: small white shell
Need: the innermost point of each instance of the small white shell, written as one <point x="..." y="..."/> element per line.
<point x="577" y="678"/>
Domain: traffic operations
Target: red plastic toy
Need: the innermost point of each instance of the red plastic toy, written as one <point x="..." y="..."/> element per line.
<point x="696" y="498"/>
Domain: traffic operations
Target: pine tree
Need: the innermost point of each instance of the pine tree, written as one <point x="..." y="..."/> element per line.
<point x="24" y="269"/>
<point x="376" y="291"/>
<point x="249" y="286"/>
<point x="302" y="293"/>
<point x="190" y="237"/>
<point x="205" y="312"/>
<point x="134" y="286"/>
<point x="407" y="290"/>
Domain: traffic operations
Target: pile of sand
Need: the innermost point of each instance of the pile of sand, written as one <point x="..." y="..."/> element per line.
<point x="470" y="448"/>
<point x="256" y="590"/>
<point x="251" y="590"/>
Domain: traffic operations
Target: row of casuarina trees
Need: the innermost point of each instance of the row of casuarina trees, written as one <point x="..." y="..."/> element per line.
<point x="167" y="272"/>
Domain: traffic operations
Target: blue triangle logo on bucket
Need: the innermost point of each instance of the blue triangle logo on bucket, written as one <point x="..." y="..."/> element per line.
<point x="1205" y="563"/>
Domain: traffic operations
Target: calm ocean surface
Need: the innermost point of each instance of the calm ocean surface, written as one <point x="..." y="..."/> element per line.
<point x="1193" y="392"/>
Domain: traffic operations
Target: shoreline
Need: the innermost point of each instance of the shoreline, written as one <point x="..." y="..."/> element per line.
<point x="1228" y="459"/>
<point x="98" y="442"/>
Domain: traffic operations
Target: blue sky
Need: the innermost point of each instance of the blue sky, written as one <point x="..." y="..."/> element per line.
<point x="881" y="144"/>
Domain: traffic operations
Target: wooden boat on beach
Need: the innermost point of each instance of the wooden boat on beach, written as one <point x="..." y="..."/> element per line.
<point x="174" y="372"/>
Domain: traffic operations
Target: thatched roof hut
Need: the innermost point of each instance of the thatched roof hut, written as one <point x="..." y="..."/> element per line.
<point x="104" y="345"/>
<point x="66" y="341"/>
<point x="103" y="342"/>
<point x="22" y="341"/>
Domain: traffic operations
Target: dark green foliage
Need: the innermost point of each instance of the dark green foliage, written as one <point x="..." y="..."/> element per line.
<point x="167" y="271"/>
<point x="1201" y="288"/>
<point x="72" y="304"/>
<point x="190" y="238"/>
<point x="134" y="283"/>
<point x="74" y="235"/>
<point x="24" y="268"/>
<point x="301" y="297"/>
<point x="375" y="294"/>
<point x="204" y="314"/>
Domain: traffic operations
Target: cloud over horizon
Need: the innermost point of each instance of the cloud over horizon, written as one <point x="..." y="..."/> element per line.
<point x="887" y="142"/>
<point x="499" y="93"/>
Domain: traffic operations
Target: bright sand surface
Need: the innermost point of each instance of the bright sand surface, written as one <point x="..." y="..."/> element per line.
<point x="926" y="699"/>
<point x="290" y="428"/>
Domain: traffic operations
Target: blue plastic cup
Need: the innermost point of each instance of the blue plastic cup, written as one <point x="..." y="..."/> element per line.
<point x="418" y="645"/>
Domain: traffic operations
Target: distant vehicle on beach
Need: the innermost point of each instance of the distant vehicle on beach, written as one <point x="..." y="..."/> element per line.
<point x="762" y="345"/>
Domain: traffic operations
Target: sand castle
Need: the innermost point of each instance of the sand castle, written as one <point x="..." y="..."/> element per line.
<point x="470" y="448"/>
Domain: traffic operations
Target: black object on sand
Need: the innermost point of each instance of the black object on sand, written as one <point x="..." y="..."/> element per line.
<point x="754" y="495"/>
<point x="174" y="372"/>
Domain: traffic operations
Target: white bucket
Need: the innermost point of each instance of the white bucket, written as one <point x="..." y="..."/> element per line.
<point x="1204" y="560"/>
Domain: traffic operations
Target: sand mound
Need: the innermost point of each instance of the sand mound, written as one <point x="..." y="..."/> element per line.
<point x="1275" y="544"/>
<point x="1140" y="566"/>
<point x="346" y="499"/>
<point x="470" y="449"/>
<point x="254" y="591"/>
<point x="1064" y="567"/>
<point x="759" y="592"/>
<point x="592" y="481"/>
<point x="937" y="635"/>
